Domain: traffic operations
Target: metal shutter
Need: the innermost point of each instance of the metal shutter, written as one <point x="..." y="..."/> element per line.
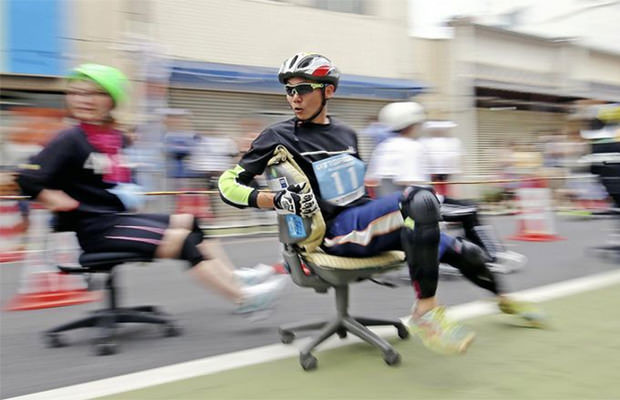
<point x="497" y="128"/>
<point x="221" y="112"/>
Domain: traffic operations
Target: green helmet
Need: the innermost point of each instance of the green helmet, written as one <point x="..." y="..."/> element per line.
<point x="110" y="79"/>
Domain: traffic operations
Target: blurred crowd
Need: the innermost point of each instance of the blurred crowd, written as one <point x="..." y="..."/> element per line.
<point x="194" y="159"/>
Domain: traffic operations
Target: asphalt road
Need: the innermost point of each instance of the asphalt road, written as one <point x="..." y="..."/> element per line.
<point x="210" y="328"/>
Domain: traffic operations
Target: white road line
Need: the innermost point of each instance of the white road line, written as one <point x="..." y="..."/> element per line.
<point x="210" y="365"/>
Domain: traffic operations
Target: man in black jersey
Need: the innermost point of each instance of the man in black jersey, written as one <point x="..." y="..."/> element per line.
<point x="327" y="151"/>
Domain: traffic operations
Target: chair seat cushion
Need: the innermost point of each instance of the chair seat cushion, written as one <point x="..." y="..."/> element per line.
<point x="388" y="259"/>
<point x="108" y="260"/>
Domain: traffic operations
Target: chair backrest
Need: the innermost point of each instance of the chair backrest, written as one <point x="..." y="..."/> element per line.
<point x="306" y="233"/>
<point x="302" y="238"/>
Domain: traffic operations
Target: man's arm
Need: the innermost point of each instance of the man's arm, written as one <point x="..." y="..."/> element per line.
<point x="36" y="179"/>
<point x="234" y="183"/>
<point x="233" y="190"/>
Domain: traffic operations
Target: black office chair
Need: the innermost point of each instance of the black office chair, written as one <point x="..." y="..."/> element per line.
<point x="106" y="319"/>
<point x="312" y="268"/>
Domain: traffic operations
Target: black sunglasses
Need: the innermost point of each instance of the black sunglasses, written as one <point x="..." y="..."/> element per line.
<point x="302" y="88"/>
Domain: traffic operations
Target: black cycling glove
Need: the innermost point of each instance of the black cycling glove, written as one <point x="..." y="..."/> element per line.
<point x="293" y="201"/>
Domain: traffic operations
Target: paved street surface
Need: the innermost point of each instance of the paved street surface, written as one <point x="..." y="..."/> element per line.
<point x="209" y="326"/>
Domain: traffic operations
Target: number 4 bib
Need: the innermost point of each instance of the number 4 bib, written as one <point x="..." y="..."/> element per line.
<point x="341" y="178"/>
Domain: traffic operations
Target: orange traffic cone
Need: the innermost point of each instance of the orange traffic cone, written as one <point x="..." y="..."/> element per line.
<point x="52" y="289"/>
<point x="535" y="220"/>
<point x="42" y="285"/>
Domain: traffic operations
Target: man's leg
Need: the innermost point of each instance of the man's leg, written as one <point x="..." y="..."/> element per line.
<point x="377" y="226"/>
<point x="179" y="237"/>
<point x="212" y="268"/>
<point x="420" y="241"/>
<point x="465" y="213"/>
<point x="472" y="261"/>
<point x="468" y="220"/>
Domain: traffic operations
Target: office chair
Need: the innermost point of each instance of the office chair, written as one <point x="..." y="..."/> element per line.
<point x="107" y="319"/>
<point x="310" y="267"/>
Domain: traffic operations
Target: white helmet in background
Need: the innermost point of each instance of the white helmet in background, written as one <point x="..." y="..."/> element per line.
<point x="398" y="116"/>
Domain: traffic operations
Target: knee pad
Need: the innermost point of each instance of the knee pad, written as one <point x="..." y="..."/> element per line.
<point x="190" y="251"/>
<point x="421" y="244"/>
<point x="469" y="252"/>
<point x="420" y="204"/>
<point x="472" y="261"/>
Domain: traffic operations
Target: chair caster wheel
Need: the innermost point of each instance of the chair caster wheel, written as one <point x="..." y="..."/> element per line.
<point x="53" y="340"/>
<point x="342" y="333"/>
<point x="403" y="332"/>
<point x="287" y="337"/>
<point x="171" y="330"/>
<point x="391" y="357"/>
<point x="105" y="349"/>
<point x="308" y="361"/>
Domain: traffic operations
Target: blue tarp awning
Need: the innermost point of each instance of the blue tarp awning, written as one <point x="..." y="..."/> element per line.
<point x="242" y="78"/>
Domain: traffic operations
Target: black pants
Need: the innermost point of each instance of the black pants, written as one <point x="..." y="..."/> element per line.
<point x="135" y="233"/>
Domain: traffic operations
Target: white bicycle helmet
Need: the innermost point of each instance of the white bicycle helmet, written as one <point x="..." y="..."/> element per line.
<point x="310" y="66"/>
<point x="398" y="116"/>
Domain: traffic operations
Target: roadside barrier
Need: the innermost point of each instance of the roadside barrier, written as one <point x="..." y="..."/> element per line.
<point x="12" y="228"/>
<point x="42" y="285"/>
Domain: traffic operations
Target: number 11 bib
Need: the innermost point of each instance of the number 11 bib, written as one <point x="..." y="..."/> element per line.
<point x="340" y="178"/>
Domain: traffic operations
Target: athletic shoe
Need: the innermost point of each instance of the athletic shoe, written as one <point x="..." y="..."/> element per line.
<point x="253" y="276"/>
<point x="439" y="334"/>
<point x="507" y="262"/>
<point x="261" y="297"/>
<point x="531" y="314"/>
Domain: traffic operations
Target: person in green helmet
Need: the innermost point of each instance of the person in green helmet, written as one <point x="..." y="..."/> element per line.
<point x="81" y="176"/>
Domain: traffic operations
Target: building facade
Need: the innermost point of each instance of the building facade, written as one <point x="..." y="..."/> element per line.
<point x="219" y="60"/>
<point x="502" y="86"/>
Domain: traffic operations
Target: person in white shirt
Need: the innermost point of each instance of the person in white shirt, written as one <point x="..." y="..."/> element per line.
<point x="212" y="154"/>
<point x="443" y="152"/>
<point x="399" y="160"/>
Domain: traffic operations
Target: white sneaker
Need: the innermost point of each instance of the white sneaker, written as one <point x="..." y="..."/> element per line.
<point x="253" y="276"/>
<point x="507" y="262"/>
<point x="261" y="297"/>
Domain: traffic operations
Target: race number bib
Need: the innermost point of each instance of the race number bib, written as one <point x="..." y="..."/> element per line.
<point x="341" y="178"/>
<point x="113" y="167"/>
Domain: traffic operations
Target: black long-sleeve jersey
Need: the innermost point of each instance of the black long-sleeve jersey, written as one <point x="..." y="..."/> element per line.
<point x="70" y="163"/>
<point x="307" y="142"/>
